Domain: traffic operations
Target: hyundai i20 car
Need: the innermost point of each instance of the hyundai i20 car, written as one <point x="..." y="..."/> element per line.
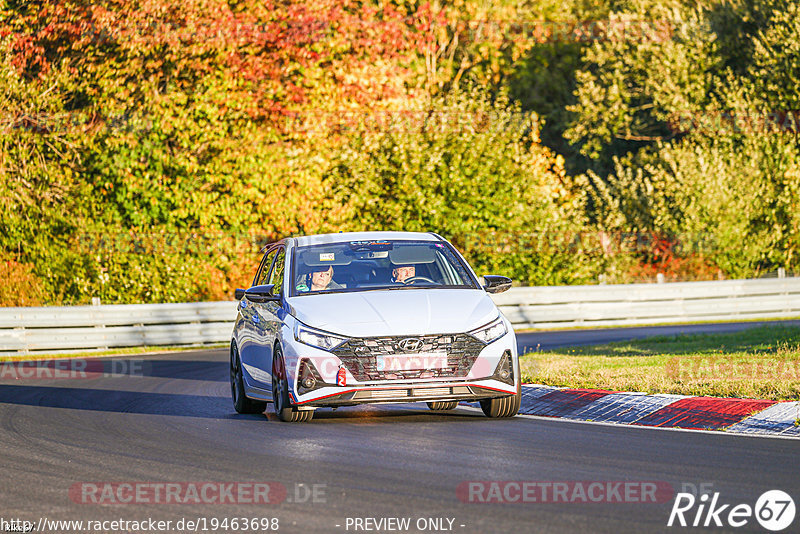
<point x="371" y="317"/>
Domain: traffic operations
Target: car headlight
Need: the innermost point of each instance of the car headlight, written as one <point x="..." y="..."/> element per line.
<point x="317" y="338"/>
<point x="490" y="332"/>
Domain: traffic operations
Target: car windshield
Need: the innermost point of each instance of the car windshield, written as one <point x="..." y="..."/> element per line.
<point x="375" y="265"/>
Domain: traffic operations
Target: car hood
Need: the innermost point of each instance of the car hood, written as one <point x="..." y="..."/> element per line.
<point x="396" y="312"/>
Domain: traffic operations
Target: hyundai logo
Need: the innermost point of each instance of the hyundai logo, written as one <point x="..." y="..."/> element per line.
<point x="410" y="344"/>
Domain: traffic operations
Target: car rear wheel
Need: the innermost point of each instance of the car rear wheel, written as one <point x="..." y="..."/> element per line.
<point x="442" y="405"/>
<point x="240" y="401"/>
<point x="280" y="393"/>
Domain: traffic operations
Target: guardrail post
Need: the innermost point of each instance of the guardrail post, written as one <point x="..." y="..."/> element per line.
<point x="26" y="348"/>
<point x="100" y="326"/>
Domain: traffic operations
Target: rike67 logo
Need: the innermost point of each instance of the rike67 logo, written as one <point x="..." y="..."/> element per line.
<point x="774" y="510"/>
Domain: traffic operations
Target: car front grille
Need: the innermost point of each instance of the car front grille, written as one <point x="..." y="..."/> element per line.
<point x="360" y="355"/>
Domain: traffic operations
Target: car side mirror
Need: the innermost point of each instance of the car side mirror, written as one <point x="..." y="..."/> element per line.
<point x="261" y="293"/>
<point x="493" y="283"/>
<point x="238" y="293"/>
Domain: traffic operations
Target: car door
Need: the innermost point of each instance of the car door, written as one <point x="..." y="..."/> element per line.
<point x="272" y="313"/>
<point x="252" y="340"/>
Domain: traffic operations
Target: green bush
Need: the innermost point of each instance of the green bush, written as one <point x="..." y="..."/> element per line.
<point x="473" y="170"/>
<point x="733" y="200"/>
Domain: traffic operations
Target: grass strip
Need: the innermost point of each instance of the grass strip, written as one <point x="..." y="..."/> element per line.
<point x="760" y="363"/>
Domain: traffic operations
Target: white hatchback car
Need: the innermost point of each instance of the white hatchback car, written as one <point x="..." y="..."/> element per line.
<point x="371" y="317"/>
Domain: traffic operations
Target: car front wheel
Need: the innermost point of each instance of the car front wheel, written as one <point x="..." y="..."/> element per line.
<point x="280" y="393"/>
<point x="502" y="406"/>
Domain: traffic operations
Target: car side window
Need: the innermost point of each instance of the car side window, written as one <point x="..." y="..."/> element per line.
<point x="263" y="270"/>
<point x="277" y="272"/>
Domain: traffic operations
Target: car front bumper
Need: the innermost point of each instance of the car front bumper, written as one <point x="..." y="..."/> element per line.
<point x="481" y="381"/>
<point x="401" y="393"/>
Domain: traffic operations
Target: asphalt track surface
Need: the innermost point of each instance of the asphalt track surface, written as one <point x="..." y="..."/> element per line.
<point x="171" y="420"/>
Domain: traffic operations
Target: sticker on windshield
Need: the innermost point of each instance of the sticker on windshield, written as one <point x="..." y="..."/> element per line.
<point x="375" y="246"/>
<point x="326" y="256"/>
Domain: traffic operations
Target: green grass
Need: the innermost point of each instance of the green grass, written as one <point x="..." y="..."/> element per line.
<point x="111" y="352"/>
<point x="638" y="325"/>
<point x="762" y="362"/>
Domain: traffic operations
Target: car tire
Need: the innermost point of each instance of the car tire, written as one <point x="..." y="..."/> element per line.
<point x="280" y="393"/>
<point x="442" y="405"/>
<point x="502" y="406"/>
<point x="240" y="401"/>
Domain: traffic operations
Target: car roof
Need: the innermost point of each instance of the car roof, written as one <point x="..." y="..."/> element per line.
<point x="344" y="237"/>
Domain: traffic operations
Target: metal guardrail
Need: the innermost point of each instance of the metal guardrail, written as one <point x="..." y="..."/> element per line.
<point x="631" y="304"/>
<point x="71" y="328"/>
